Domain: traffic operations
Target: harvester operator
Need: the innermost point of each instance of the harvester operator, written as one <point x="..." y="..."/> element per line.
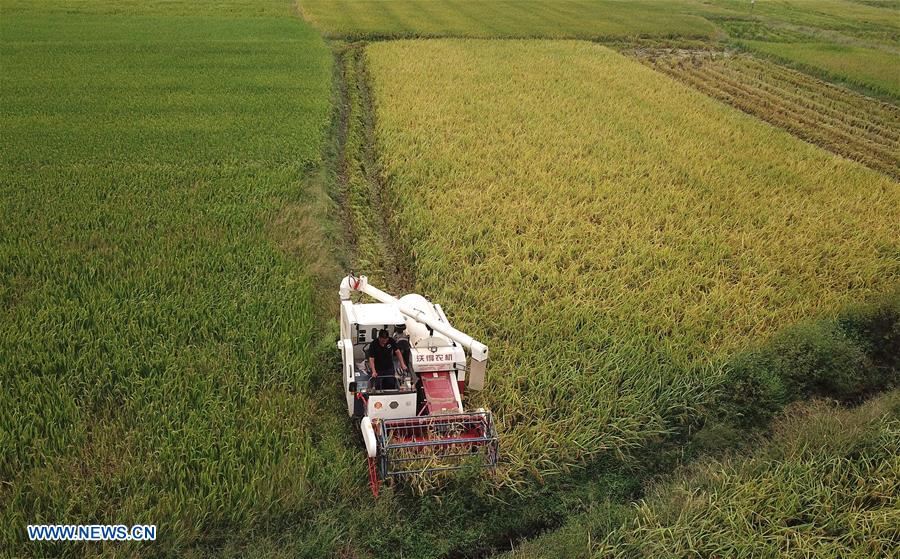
<point x="381" y="352"/>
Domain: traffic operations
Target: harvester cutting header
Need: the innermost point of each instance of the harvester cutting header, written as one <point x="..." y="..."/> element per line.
<point x="405" y="373"/>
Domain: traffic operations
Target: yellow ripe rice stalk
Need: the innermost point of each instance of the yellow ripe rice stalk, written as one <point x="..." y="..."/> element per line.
<point x="610" y="232"/>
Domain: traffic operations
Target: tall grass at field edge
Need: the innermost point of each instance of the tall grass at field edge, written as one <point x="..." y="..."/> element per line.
<point x="824" y="484"/>
<point x="845" y="358"/>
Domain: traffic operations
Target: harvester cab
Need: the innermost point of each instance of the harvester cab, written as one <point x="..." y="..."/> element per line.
<point x="418" y="425"/>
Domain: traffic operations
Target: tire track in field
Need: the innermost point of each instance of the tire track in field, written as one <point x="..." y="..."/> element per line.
<point x="366" y="206"/>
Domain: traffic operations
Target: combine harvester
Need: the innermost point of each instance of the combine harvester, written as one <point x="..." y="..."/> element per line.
<point x="419" y="427"/>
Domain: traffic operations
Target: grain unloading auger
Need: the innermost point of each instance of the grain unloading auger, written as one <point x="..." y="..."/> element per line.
<point x="419" y="426"/>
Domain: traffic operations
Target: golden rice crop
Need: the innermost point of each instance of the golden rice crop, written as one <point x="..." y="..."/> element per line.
<point x="610" y="232"/>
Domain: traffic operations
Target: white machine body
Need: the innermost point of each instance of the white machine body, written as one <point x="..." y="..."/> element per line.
<point x="433" y="346"/>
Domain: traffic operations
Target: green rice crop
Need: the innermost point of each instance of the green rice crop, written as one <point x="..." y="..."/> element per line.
<point x="610" y="233"/>
<point x="157" y="347"/>
<point x="370" y="19"/>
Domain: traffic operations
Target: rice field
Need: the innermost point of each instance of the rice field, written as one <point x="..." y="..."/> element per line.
<point x="375" y="19"/>
<point x="183" y="183"/>
<point x="862" y="19"/>
<point x="844" y="122"/>
<point x="825" y="485"/>
<point x="610" y="237"/>
<point x="158" y="322"/>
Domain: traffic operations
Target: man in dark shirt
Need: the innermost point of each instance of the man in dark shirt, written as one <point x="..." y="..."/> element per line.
<point x="381" y="361"/>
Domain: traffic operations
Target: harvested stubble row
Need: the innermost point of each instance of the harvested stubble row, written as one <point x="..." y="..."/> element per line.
<point x="837" y="119"/>
<point x="611" y="233"/>
<point x="871" y="69"/>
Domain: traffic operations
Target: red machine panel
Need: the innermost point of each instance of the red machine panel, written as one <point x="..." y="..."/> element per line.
<point x="439" y="394"/>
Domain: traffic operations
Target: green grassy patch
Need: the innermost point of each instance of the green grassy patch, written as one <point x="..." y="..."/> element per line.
<point x="845" y="358"/>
